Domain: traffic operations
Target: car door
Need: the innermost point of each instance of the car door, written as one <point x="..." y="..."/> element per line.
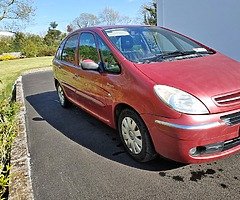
<point x="66" y="66"/>
<point x="97" y="86"/>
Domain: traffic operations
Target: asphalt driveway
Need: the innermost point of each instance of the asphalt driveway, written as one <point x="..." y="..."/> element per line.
<point x="74" y="156"/>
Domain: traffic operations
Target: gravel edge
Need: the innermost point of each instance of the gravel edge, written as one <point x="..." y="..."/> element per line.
<point x="20" y="185"/>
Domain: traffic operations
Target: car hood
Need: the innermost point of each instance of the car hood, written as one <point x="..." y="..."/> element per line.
<point x="207" y="78"/>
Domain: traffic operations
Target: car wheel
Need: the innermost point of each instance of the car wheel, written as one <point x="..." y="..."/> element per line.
<point x="135" y="136"/>
<point x="62" y="97"/>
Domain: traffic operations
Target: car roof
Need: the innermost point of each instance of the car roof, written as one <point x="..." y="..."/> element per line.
<point x="110" y="27"/>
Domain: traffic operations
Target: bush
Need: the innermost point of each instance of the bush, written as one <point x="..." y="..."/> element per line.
<point x="46" y="51"/>
<point x="6" y="45"/>
<point x="8" y="130"/>
<point x="7" y="57"/>
<point x="31" y="45"/>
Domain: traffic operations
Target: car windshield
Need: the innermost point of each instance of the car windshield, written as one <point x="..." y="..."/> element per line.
<point x="153" y="44"/>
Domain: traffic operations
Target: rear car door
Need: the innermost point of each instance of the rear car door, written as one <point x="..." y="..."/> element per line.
<point x="65" y="64"/>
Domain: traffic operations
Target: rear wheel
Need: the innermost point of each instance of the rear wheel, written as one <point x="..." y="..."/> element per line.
<point x="135" y="136"/>
<point x="62" y="97"/>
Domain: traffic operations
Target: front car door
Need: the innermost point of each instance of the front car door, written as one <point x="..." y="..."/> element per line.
<point x="97" y="86"/>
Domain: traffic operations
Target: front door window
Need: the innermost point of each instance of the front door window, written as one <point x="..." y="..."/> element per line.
<point x="87" y="48"/>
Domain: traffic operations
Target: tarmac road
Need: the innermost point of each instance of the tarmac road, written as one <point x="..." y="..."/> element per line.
<point x="75" y="156"/>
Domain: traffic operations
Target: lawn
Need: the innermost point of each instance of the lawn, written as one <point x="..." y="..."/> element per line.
<point x="10" y="70"/>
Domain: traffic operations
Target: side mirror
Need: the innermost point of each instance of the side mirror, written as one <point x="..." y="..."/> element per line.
<point x="89" y="65"/>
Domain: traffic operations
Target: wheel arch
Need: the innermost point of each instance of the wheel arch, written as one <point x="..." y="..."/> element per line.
<point x="122" y="106"/>
<point x="119" y="108"/>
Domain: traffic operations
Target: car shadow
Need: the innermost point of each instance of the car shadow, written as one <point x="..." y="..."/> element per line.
<point x="89" y="132"/>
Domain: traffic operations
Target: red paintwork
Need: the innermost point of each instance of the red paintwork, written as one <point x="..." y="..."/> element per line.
<point x="209" y="76"/>
<point x="204" y="77"/>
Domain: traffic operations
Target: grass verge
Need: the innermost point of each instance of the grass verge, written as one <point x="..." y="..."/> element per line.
<point x="9" y="71"/>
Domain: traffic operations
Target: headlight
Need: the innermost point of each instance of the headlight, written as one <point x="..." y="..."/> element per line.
<point x="180" y="100"/>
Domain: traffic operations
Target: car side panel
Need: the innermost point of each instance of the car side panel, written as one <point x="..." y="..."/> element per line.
<point x="65" y="76"/>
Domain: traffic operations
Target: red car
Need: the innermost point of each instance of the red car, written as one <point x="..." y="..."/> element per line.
<point x="165" y="93"/>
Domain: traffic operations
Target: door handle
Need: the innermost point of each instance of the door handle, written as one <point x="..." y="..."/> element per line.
<point x="76" y="76"/>
<point x="110" y="85"/>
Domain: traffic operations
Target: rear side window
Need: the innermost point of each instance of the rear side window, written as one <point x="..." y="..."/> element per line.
<point x="59" y="51"/>
<point x="68" y="52"/>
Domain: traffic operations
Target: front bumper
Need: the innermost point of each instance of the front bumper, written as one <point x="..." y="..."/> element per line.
<point x="174" y="138"/>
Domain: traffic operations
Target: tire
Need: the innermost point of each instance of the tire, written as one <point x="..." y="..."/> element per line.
<point x="62" y="97"/>
<point x="135" y="136"/>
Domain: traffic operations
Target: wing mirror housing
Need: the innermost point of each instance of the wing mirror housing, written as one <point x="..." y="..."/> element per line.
<point x="89" y="65"/>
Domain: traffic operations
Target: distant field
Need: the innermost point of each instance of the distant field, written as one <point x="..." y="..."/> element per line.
<point x="10" y="70"/>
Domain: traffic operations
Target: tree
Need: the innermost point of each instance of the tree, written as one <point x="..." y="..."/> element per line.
<point x="6" y="44"/>
<point x="84" y="20"/>
<point x="53" y="25"/>
<point x="18" y="41"/>
<point x="53" y="36"/>
<point x="69" y="28"/>
<point x="16" y="10"/>
<point x="150" y="13"/>
<point x="31" y="45"/>
<point x="109" y="16"/>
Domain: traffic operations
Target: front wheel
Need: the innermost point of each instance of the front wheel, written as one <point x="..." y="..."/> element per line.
<point x="135" y="136"/>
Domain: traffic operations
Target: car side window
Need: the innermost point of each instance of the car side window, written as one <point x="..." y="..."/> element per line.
<point x="68" y="52"/>
<point x="59" y="51"/>
<point x="110" y="63"/>
<point x="87" y="48"/>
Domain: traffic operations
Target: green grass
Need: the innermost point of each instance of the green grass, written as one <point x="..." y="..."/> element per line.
<point x="10" y="70"/>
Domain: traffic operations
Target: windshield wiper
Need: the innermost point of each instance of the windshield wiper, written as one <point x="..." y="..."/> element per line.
<point x="166" y="55"/>
<point x="184" y="53"/>
<point x="197" y="52"/>
<point x="161" y="57"/>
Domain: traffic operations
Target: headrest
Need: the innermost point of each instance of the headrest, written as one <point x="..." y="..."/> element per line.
<point x="126" y="42"/>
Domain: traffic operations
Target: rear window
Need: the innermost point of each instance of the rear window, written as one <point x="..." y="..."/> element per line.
<point x="69" y="49"/>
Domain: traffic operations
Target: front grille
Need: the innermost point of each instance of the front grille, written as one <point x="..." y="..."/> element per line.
<point x="231" y="119"/>
<point x="228" y="99"/>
